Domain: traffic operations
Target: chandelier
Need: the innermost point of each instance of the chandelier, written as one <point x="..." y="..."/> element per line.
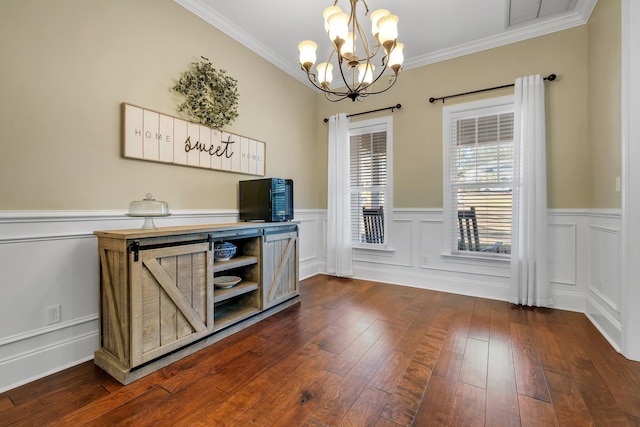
<point x="354" y="54"/>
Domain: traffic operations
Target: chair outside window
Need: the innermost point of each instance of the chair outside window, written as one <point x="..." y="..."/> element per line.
<point x="468" y="226"/>
<point x="469" y="237"/>
<point x="373" y="224"/>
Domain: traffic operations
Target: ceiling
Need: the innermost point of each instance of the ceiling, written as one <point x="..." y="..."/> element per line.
<point x="432" y="30"/>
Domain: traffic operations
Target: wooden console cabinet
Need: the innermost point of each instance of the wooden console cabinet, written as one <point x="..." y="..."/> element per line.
<point x="158" y="301"/>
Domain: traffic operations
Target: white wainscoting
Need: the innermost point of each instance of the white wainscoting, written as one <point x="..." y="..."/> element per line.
<point x="604" y="287"/>
<point x="310" y="225"/>
<point x="584" y="256"/>
<point x="420" y="260"/>
<point x="50" y="258"/>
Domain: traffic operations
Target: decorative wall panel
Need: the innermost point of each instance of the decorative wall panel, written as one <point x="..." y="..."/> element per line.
<point x="562" y="256"/>
<point x="157" y="137"/>
<point x="604" y="265"/>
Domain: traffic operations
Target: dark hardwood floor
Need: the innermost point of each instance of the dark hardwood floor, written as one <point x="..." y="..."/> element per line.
<point x="361" y="353"/>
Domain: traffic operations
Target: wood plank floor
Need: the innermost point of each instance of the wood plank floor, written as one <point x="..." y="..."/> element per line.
<point x="360" y="353"/>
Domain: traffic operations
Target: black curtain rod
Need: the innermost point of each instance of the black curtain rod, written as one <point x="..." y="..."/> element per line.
<point x="398" y="106"/>
<point x="551" y="78"/>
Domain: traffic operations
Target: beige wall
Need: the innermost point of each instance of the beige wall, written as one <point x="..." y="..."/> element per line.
<point x="604" y="120"/>
<point x="67" y="66"/>
<point x="418" y="125"/>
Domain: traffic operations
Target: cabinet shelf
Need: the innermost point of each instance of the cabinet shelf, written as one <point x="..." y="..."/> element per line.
<point x="232" y="312"/>
<point x="235" y="262"/>
<point x="241" y="288"/>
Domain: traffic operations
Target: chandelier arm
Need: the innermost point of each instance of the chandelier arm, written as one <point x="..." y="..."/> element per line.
<point x="326" y="95"/>
<point x="312" y="80"/>
<point x="366" y="7"/>
<point x="394" y="77"/>
<point x="344" y="79"/>
<point x="363" y="39"/>
<point x="369" y="57"/>
<point x="317" y="86"/>
<point x="350" y="89"/>
<point x="355" y="29"/>
<point x="384" y="68"/>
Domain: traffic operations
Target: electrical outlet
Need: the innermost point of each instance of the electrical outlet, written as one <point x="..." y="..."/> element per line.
<point x="53" y="314"/>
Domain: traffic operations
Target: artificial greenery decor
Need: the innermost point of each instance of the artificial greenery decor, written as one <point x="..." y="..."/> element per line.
<point x="212" y="96"/>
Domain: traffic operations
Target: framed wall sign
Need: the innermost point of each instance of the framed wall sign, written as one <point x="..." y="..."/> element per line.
<point x="157" y="137"/>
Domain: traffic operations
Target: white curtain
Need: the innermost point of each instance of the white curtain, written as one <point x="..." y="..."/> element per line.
<point x="529" y="254"/>
<point x="339" y="257"/>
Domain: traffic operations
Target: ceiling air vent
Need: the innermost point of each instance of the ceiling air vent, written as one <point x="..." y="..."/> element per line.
<point x="519" y="11"/>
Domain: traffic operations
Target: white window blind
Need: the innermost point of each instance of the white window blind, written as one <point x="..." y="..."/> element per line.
<point x="369" y="185"/>
<point x="481" y="183"/>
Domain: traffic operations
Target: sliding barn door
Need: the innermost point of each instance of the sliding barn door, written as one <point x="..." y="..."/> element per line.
<point x="171" y="299"/>
<point x="280" y="264"/>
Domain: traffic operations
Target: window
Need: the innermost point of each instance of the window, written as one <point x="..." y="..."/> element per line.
<point x="370" y="162"/>
<point x="478" y="152"/>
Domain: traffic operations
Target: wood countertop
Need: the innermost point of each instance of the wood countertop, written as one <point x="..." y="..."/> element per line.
<point x="137" y="233"/>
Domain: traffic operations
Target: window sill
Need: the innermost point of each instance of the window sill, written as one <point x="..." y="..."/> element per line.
<point x="374" y="248"/>
<point x="477" y="259"/>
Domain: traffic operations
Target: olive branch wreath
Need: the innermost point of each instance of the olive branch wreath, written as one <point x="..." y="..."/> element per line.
<point x="211" y="95"/>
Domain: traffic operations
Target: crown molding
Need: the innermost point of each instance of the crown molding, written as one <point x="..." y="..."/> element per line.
<point x="209" y="15"/>
<point x="517" y="33"/>
<point x="524" y="31"/>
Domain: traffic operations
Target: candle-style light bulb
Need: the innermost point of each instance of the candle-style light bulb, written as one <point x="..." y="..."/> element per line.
<point x="307" y="50"/>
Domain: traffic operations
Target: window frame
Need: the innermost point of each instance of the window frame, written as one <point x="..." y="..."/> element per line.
<point x="498" y="105"/>
<point x="384" y="123"/>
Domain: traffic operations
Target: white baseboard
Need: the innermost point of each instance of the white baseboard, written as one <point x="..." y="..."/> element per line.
<point x="454" y="285"/>
<point x="311" y="268"/>
<point x="570" y="301"/>
<point x="608" y="326"/>
<point x="36" y="354"/>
